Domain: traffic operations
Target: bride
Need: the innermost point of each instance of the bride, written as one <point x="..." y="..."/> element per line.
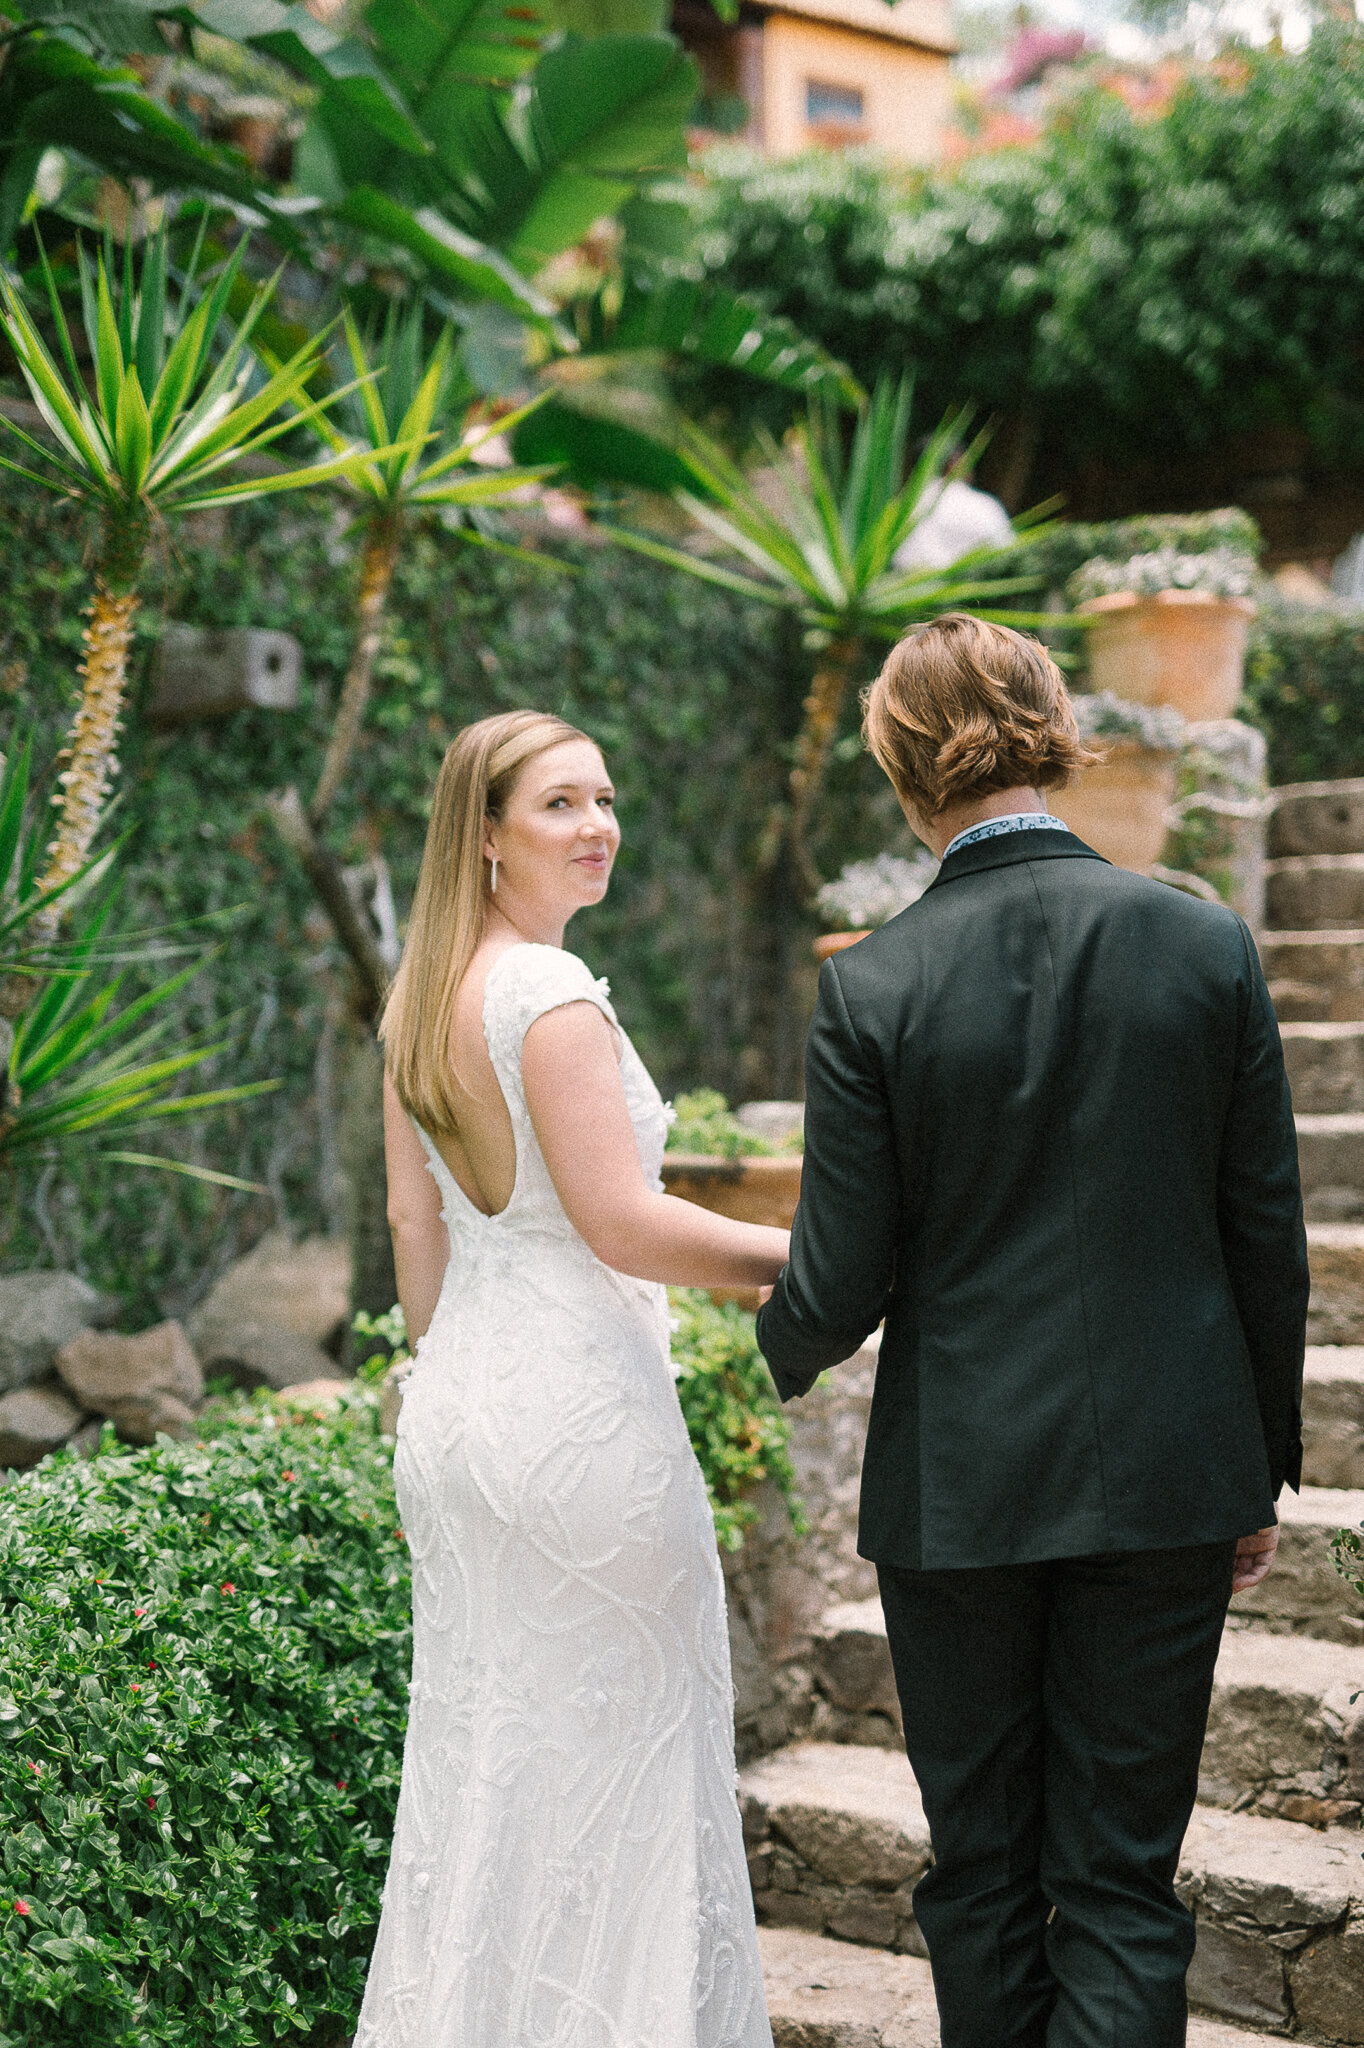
<point x="567" y="1867"/>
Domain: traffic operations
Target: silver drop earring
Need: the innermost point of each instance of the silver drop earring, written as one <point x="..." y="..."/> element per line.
<point x="493" y="882"/>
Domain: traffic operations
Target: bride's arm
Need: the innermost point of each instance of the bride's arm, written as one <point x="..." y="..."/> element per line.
<point x="577" y="1105"/>
<point x="421" y="1248"/>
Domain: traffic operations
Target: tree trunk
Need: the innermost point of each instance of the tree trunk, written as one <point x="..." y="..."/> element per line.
<point x="382" y="539"/>
<point x="373" y="1286"/>
<point x="92" y="763"/>
<point x="819" y="730"/>
<point x="323" y="870"/>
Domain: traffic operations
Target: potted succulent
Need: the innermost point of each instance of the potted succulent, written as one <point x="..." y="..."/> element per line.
<point x="869" y="893"/>
<point x="1168" y="627"/>
<point x="714" y="1159"/>
<point x="1120" y="805"/>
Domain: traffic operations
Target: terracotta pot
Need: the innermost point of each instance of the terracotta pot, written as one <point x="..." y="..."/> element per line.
<point x="1179" y="647"/>
<point x="834" y="942"/>
<point x="1119" y="806"/>
<point x="751" y="1190"/>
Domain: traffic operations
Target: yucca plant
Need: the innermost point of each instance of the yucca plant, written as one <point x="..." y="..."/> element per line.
<point x="405" y="416"/>
<point x="75" y="1062"/>
<point x="160" y="423"/>
<point x="820" y="533"/>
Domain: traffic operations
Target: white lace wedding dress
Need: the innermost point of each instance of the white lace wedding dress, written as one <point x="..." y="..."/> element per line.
<point x="567" y="1869"/>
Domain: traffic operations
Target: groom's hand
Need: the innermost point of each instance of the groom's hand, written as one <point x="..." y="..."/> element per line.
<point x="1254" y="1556"/>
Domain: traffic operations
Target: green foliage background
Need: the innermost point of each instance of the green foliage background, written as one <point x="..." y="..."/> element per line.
<point x="692" y="694"/>
<point x="204" y="1652"/>
<point x="203" y="1691"/>
<point x="1126" y="285"/>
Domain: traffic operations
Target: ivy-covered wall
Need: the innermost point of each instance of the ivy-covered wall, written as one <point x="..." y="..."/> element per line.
<point x="693" y="696"/>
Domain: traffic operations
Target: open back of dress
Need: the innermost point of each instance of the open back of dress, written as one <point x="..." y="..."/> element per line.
<point x="568" y="1868"/>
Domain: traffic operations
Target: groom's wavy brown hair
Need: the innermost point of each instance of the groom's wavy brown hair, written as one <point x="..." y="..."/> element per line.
<point x="963" y="708"/>
<point x="449" y="910"/>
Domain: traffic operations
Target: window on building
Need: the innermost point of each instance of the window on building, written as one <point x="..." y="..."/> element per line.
<point x="832" y="105"/>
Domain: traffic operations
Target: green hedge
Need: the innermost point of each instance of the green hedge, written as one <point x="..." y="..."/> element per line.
<point x="1305" y="689"/>
<point x="204" y="1654"/>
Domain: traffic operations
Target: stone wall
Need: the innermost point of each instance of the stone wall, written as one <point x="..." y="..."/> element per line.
<point x="780" y="1585"/>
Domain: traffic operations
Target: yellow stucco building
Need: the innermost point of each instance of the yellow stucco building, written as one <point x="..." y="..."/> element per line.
<point x="830" y="72"/>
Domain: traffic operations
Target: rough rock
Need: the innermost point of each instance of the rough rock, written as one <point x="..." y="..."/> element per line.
<point x="1315" y="892"/>
<point x="266" y="1322"/>
<point x="1328" y="1984"/>
<point x="34" y="1421"/>
<point x="1305" y="1593"/>
<point x="145" y="1384"/>
<point x="829" y="1994"/>
<point x="39" y="1312"/>
<point x="1335" y="1311"/>
<point x="1331" y="1162"/>
<point x="837" y="1841"/>
<point x="1325" y="1065"/>
<point x="1333" y="1416"/>
<point x="1315" y="975"/>
<point x="1237" y="1974"/>
<point x="1283" y="1714"/>
<point x="1317" y="817"/>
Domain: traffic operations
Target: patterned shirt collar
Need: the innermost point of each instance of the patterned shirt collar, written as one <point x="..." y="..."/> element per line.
<point x="1012" y="821"/>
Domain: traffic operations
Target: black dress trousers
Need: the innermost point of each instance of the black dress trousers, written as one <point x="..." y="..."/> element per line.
<point x="1054" y="1716"/>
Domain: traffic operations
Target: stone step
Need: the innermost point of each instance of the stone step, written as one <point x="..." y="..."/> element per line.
<point x="1284" y="1736"/>
<point x="1325" y="1067"/>
<point x="1315" y="892"/>
<point x="1333" y="1415"/>
<point x="1304" y="1594"/>
<point x="837" y="1842"/>
<point x="1331" y="1161"/>
<point x="1315" y="975"/>
<point x="1335" y="1311"/>
<point x="830" y="1994"/>
<point x="1317" y="817"/>
<point x="1286" y="1729"/>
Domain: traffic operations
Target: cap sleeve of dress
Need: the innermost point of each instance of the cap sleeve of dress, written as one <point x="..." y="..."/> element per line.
<point x="523" y="985"/>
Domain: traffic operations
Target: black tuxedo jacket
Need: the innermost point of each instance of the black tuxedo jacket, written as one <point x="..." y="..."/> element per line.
<point x="1049" y="1138"/>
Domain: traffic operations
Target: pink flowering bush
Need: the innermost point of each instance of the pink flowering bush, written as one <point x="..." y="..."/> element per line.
<point x="203" y="1687"/>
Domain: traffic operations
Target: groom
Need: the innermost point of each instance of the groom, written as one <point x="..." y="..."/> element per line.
<point x="1049" y="1140"/>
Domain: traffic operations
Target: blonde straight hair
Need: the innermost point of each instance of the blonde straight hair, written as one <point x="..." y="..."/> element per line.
<point x="450" y="908"/>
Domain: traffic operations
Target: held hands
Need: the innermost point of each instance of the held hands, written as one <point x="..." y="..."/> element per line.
<point x="1254" y="1557"/>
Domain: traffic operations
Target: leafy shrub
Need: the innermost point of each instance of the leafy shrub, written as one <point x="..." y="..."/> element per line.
<point x="1221" y="572"/>
<point x="1305" y="689"/>
<point x="203" y="1690"/>
<point x="706" y="1123"/>
<point x="733" y="1417"/>
<point x="1104" y="717"/>
<point x="1125" y="285"/>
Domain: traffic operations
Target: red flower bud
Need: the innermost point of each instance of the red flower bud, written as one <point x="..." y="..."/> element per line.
<point x="227" y="1586"/>
<point x="286" y="1475"/>
<point x="134" y="1688"/>
<point x="152" y="1666"/>
<point x="138" y="1613"/>
<point x="21" y="1906"/>
<point x="152" y="1803"/>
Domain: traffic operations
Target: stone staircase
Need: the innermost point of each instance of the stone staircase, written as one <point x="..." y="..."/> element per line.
<point x="1273" y="1863"/>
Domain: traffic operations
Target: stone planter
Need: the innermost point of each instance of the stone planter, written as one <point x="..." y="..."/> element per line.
<point x="829" y="943"/>
<point x="1119" y="806"/>
<point x="762" y="1190"/>
<point x="1185" y="648"/>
